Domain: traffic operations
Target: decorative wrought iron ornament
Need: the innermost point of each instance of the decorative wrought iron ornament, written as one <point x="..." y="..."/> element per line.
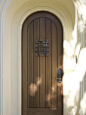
<point x="42" y="48"/>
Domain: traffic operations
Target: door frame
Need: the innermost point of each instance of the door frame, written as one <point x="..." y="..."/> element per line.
<point x="64" y="29"/>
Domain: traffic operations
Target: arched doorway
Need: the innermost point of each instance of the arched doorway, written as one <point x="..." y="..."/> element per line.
<point x="42" y="51"/>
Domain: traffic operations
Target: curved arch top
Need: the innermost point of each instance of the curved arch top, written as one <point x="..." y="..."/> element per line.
<point x="45" y="14"/>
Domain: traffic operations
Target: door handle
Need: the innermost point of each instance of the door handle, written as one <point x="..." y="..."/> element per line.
<point x="59" y="75"/>
<point x="58" y="78"/>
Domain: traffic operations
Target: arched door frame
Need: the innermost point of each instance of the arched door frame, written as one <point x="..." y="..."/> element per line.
<point x="63" y="21"/>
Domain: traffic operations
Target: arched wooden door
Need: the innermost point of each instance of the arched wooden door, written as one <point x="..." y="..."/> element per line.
<point x="42" y="51"/>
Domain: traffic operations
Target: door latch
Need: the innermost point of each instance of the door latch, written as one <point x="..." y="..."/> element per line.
<point x="59" y="75"/>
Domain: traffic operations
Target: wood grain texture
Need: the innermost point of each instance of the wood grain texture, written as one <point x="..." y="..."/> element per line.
<point x="36" y="63"/>
<point x="60" y="65"/>
<point x="54" y="65"/>
<point x="48" y="64"/>
<point x="42" y="65"/>
<point x="30" y="52"/>
<point x="43" y="111"/>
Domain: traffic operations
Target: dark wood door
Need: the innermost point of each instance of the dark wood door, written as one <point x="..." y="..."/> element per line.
<point x="42" y="51"/>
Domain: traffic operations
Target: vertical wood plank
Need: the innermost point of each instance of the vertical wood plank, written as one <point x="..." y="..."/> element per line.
<point x="24" y="69"/>
<point x="54" y="65"/>
<point x="60" y="47"/>
<point x="36" y="63"/>
<point x="42" y="65"/>
<point x="30" y="65"/>
<point x="48" y="64"/>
